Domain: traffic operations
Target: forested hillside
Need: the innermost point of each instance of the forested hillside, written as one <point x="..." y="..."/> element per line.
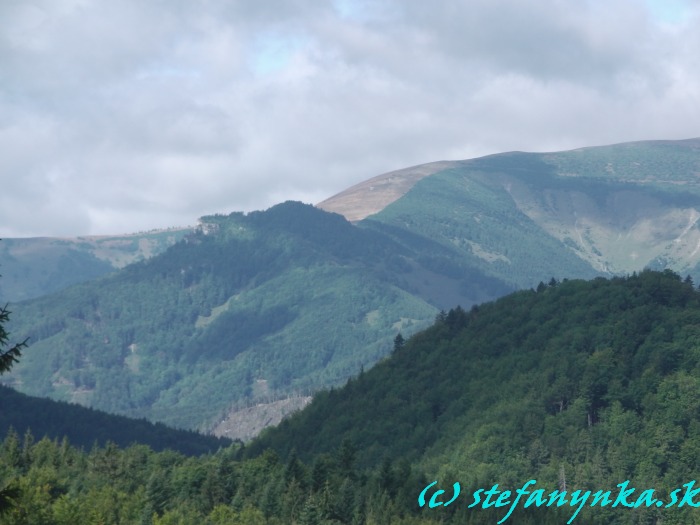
<point x="251" y="306"/>
<point x="595" y="382"/>
<point x="85" y="427"/>
<point x="579" y="385"/>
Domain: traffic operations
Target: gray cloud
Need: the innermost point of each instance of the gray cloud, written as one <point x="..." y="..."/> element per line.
<point x="130" y="115"/>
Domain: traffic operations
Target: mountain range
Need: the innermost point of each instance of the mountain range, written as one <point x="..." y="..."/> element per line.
<point x="252" y="308"/>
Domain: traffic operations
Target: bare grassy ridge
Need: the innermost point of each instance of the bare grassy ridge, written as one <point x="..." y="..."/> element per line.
<point x="373" y="195"/>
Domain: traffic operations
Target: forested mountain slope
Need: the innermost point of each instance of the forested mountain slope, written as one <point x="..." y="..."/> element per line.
<point x="86" y="428"/>
<point x="587" y="383"/>
<point x="581" y="386"/>
<point x="251" y="306"/>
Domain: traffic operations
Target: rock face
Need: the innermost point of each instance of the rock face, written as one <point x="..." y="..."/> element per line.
<point x="375" y="194"/>
<point x="247" y="423"/>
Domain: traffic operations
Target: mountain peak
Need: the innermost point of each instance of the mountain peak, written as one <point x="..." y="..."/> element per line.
<point x="373" y="195"/>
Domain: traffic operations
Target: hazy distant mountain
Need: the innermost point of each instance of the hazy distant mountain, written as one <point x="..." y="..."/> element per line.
<point x="260" y="306"/>
<point x="32" y="267"/>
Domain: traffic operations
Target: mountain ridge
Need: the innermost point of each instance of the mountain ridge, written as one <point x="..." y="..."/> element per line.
<point x="300" y="298"/>
<point x="373" y="195"/>
<point x="36" y="266"/>
<point x="396" y="183"/>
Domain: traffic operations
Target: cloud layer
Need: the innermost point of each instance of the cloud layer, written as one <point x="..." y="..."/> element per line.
<point x="130" y="115"/>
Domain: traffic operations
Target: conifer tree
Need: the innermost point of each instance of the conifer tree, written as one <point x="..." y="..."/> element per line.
<point x="7" y="359"/>
<point x="11" y="356"/>
<point x="399" y="341"/>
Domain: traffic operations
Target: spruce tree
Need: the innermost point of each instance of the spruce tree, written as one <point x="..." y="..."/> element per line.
<point x="10" y="356"/>
<point x="7" y="359"/>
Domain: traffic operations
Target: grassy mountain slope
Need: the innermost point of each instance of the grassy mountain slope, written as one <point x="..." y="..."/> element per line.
<point x="37" y="266"/>
<point x="520" y="217"/>
<point x="373" y="195"/>
<point x="466" y="210"/>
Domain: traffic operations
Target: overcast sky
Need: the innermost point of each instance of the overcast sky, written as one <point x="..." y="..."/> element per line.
<point x="127" y="115"/>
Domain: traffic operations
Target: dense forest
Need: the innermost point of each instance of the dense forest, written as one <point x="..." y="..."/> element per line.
<point x="85" y="427"/>
<point x="293" y="298"/>
<point x="579" y="385"/>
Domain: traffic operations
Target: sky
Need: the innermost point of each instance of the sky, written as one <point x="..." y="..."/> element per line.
<point x="129" y="115"/>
